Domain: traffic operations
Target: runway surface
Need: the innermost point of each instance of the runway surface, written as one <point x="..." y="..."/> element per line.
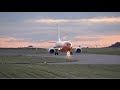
<point x="85" y="58"/>
<point x="78" y="58"/>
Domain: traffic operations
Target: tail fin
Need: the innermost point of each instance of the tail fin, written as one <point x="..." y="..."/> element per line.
<point x="58" y="33"/>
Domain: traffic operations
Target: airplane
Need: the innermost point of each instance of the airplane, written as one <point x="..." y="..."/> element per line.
<point x="63" y="46"/>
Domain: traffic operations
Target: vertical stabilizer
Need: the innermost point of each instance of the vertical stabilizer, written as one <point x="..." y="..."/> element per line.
<point x="58" y="33"/>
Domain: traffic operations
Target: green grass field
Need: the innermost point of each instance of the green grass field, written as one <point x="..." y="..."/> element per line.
<point x="30" y="67"/>
<point x="109" y="51"/>
<point x="19" y="59"/>
<point x="23" y="50"/>
<point x="18" y="66"/>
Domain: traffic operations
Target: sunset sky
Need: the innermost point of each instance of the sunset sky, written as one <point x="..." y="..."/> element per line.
<point x="21" y="29"/>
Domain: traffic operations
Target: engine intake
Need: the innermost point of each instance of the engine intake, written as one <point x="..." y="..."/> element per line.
<point x="78" y="50"/>
<point x="51" y="51"/>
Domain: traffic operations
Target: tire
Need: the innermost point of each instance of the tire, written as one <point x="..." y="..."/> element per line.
<point x="71" y="53"/>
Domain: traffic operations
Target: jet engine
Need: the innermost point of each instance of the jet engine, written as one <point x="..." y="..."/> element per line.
<point x="78" y="50"/>
<point x="51" y="50"/>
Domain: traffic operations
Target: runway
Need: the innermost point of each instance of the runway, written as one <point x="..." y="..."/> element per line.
<point x="85" y="58"/>
<point x="77" y="58"/>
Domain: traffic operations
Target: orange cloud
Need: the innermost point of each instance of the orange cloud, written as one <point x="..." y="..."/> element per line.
<point x="10" y="39"/>
<point x="50" y="20"/>
<point x="103" y="19"/>
<point x="25" y="44"/>
<point x="85" y="36"/>
<point x="102" y="42"/>
<point x="7" y="42"/>
<point x="92" y="20"/>
<point x="105" y="37"/>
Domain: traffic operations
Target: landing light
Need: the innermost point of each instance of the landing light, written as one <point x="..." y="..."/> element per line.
<point x="68" y="53"/>
<point x="68" y="56"/>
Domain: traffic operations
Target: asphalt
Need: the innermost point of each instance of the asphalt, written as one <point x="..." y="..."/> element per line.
<point x="85" y="58"/>
<point x="79" y="58"/>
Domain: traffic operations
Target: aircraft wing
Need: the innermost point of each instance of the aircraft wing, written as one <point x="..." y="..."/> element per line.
<point x="75" y="47"/>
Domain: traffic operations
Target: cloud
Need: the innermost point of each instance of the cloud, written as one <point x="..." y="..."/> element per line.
<point x="25" y="44"/>
<point x="99" y="36"/>
<point x="51" y="20"/>
<point x="103" y="40"/>
<point x="13" y="42"/>
<point x="86" y="36"/>
<point x="89" y="20"/>
<point x="103" y="19"/>
<point x="82" y="31"/>
<point x="7" y="39"/>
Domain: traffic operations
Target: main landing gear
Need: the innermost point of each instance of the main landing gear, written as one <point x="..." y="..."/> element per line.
<point x="71" y="53"/>
<point x="56" y="52"/>
<point x="68" y="52"/>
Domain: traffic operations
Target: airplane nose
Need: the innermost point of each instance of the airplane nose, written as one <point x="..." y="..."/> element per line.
<point x="68" y="44"/>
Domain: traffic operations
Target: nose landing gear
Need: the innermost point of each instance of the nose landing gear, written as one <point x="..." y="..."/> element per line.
<point x="69" y="53"/>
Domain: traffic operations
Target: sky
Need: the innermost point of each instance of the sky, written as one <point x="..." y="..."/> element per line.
<point x="88" y="29"/>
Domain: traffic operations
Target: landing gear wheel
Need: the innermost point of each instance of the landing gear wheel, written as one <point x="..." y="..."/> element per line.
<point x="71" y="53"/>
<point x="68" y="53"/>
<point x="56" y="53"/>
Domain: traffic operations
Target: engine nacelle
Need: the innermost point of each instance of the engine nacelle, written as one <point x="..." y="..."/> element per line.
<point x="78" y="50"/>
<point x="51" y="50"/>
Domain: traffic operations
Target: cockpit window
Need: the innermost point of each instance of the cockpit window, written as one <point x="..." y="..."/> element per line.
<point x="67" y="44"/>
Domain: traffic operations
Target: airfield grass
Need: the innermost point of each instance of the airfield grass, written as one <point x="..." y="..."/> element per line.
<point x="24" y="50"/>
<point x="19" y="59"/>
<point x="25" y="67"/>
<point x="108" y="51"/>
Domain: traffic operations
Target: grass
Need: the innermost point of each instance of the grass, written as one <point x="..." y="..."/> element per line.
<point x="108" y="51"/>
<point x="18" y="66"/>
<point x="29" y="67"/>
<point x="24" y="50"/>
<point x="59" y="71"/>
<point x="19" y="59"/>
